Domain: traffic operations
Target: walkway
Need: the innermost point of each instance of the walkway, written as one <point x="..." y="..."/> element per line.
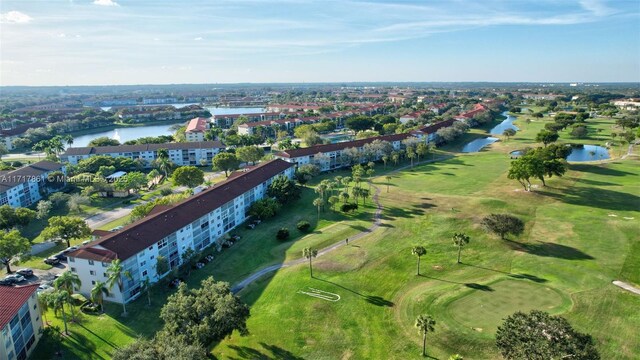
<point x="627" y="286"/>
<point x="377" y="220"/>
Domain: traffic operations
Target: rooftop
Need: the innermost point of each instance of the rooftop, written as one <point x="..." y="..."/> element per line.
<point x="101" y="150"/>
<point x="198" y="124"/>
<point x="11" y="300"/>
<point x="24" y="174"/>
<point x="164" y="221"/>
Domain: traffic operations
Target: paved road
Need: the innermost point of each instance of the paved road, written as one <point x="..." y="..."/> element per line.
<point x="376" y="223"/>
<point x="103" y="218"/>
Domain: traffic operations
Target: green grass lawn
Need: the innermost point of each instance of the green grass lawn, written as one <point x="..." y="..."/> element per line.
<point x="581" y="233"/>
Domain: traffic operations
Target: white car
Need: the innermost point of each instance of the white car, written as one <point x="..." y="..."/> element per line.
<point x="44" y="287"/>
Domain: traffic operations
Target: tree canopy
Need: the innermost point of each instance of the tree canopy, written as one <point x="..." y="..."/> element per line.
<point x="503" y="224"/>
<point x="12" y="244"/>
<point x="103" y="141"/>
<point x="208" y="313"/>
<point x="10" y="217"/>
<point x="283" y="189"/>
<point x="66" y="228"/>
<point x="250" y="154"/>
<point x="539" y="336"/>
<point x="225" y="162"/>
<point x="189" y="176"/>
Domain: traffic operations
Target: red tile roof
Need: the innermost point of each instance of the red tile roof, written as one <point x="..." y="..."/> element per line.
<point x="143" y="233"/>
<point x="11" y="300"/>
<point x="198" y="124"/>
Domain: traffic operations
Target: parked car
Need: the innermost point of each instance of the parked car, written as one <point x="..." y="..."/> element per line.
<point x="60" y="256"/>
<point x="25" y="272"/>
<point x="4" y="282"/>
<point x="52" y="261"/>
<point x="69" y="249"/>
<point x="44" y="287"/>
<point x="16" y="278"/>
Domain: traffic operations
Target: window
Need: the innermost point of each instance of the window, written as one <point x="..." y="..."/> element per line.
<point x="93" y="282"/>
<point x="150" y="247"/>
<point x="104" y="264"/>
<point x="143" y="263"/>
<point x="162" y="243"/>
<point x="91" y="262"/>
<point x="104" y="274"/>
<point x="144" y="273"/>
<point x="152" y="257"/>
<point x="92" y="272"/>
<point x="73" y="269"/>
<point x="72" y="259"/>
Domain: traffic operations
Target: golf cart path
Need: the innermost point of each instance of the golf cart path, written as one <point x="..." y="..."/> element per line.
<point x="376" y="224"/>
<point x="627" y="286"/>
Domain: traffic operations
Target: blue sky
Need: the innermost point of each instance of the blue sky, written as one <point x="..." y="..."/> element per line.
<point x="88" y="42"/>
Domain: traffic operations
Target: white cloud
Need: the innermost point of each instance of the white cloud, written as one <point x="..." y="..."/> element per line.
<point x="105" y="3"/>
<point x="197" y="39"/>
<point x="15" y="17"/>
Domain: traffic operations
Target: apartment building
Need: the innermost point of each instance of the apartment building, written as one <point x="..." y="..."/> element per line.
<point x="26" y="185"/>
<point x="20" y="321"/>
<point x="196" y="128"/>
<point x="194" y="223"/>
<point x="181" y="154"/>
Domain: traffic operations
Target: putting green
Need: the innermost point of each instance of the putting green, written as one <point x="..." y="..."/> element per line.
<point x="485" y="306"/>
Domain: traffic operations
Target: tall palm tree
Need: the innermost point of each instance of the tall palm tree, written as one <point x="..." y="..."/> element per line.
<point x="163" y="162"/>
<point x="318" y="203"/>
<point x="411" y="155"/>
<point x="425" y="324"/>
<point x="57" y="301"/>
<point x="344" y="196"/>
<point x="333" y="200"/>
<point x="44" y="299"/>
<point x="309" y="253"/>
<point x="418" y="251"/>
<point x="98" y="292"/>
<point x="460" y="240"/>
<point x="146" y="286"/>
<point x="68" y="139"/>
<point x="68" y="281"/>
<point x="385" y="160"/>
<point x="115" y="273"/>
<point x="346" y="181"/>
<point x="388" y="177"/>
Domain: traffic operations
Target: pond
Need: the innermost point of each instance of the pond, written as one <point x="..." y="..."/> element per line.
<point x="504" y="125"/>
<point x="131" y="133"/>
<point x="477" y="144"/>
<point x="588" y="153"/>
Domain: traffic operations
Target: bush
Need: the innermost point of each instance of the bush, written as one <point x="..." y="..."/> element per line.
<point x="16" y="164"/>
<point x="348" y="207"/>
<point x="90" y="308"/>
<point x="166" y="191"/>
<point x="283" y="234"/>
<point x="303" y="225"/>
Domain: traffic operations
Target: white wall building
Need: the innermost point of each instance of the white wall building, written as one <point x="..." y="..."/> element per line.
<point x="181" y="154"/>
<point x="197" y="223"/>
<point x="196" y="128"/>
<point x="27" y="185"/>
<point x="20" y="321"/>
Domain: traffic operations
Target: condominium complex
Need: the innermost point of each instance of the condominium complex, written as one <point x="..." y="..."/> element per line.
<point x="27" y="185"/>
<point x="196" y="128"/>
<point x="181" y="154"/>
<point x="20" y="321"/>
<point x="168" y="231"/>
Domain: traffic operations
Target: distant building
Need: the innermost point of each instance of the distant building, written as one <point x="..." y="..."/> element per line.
<point x="27" y="185"/>
<point x="8" y="135"/>
<point x="181" y="154"/>
<point x="20" y="321"/>
<point x="196" y="129"/>
<point x="168" y="231"/>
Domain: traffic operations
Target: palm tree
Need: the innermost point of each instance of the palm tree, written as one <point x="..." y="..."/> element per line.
<point x="163" y="162"/>
<point x="364" y="194"/>
<point x="115" y="273"/>
<point x="395" y="156"/>
<point x="388" y="177"/>
<point x="309" y="253"/>
<point x="333" y="200"/>
<point x="460" y="240"/>
<point x="411" y="155"/>
<point x="345" y="196"/>
<point x="318" y="203"/>
<point x="418" y="251"/>
<point x="68" y="139"/>
<point x="346" y="181"/>
<point x="57" y="300"/>
<point x="385" y="159"/>
<point x="68" y="281"/>
<point x="425" y="324"/>
<point x="44" y="299"/>
<point x="146" y="286"/>
<point x="98" y="292"/>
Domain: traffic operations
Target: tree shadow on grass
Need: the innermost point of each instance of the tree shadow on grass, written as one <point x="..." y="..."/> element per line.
<point x="599" y="169"/>
<point x="474" y="286"/>
<point x="83" y="344"/>
<point x="547" y="249"/>
<point x="276" y="352"/>
<point x="392" y="213"/>
<point x="371" y="299"/>
<point x="98" y="336"/>
<point x="596" y="197"/>
<point x="529" y="277"/>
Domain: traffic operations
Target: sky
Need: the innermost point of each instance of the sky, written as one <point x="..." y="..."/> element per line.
<point x="112" y="42"/>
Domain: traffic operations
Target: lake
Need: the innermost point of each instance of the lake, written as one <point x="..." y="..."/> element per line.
<point x="588" y="153"/>
<point x="504" y="125"/>
<point x="123" y="134"/>
<point x="477" y="144"/>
